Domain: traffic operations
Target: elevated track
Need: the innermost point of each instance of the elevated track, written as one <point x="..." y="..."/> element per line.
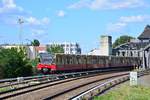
<point x="64" y="86"/>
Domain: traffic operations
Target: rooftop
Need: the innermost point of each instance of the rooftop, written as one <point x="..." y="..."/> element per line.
<point x="132" y="46"/>
<point x="145" y="34"/>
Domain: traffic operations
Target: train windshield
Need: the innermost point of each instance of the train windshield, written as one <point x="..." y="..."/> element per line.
<point x="46" y="58"/>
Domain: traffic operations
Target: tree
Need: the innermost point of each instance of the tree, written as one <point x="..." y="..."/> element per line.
<point x="35" y="42"/>
<point x="34" y="63"/>
<point x="121" y="40"/>
<point x="55" y="49"/>
<point x="14" y="63"/>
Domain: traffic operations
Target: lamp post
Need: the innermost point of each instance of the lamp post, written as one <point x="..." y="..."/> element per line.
<point x="20" y="21"/>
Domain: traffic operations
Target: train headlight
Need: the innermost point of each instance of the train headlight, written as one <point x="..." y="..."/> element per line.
<point x="39" y="68"/>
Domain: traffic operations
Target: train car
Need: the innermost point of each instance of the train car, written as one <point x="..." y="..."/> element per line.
<point x="69" y="62"/>
<point x="95" y="62"/>
<point x="46" y="64"/>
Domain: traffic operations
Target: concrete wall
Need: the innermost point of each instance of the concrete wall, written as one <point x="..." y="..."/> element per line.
<point x="31" y="52"/>
<point x="106" y="45"/>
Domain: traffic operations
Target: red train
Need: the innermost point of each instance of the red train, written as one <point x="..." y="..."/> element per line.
<point x="67" y="62"/>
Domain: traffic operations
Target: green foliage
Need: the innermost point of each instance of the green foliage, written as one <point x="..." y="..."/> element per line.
<point x="14" y="63"/>
<point x="127" y="93"/>
<point x="34" y="63"/>
<point x="35" y="42"/>
<point x="5" y="89"/>
<point x="55" y="49"/>
<point x="122" y="39"/>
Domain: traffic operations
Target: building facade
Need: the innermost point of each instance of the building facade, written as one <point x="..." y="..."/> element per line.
<point x="135" y="47"/>
<point x="130" y="49"/>
<point x="69" y="48"/>
<point x="31" y="51"/>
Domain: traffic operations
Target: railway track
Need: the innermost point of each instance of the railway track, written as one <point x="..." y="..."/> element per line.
<point x="101" y="88"/>
<point x="57" y="90"/>
<point x="70" y="92"/>
<point x="22" y="83"/>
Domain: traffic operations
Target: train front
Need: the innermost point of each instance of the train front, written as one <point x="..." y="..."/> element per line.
<point x="46" y="64"/>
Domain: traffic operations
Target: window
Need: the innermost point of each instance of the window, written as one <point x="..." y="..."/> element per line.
<point x="94" y="61"/>
<point x="60" y="60"/>
<point x="138" y="54"/>
<point x="67" y="49"/>
<point x="123" y="53"/>
<point x="67" y="45"/>
<point x="68" y="61"/>
<point x="131" y="53"/>
<point x="118" y="53"/>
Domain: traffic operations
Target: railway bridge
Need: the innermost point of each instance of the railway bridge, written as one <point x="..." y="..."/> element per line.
<point x="139" y="47"/>
<point x="146" y="57"/>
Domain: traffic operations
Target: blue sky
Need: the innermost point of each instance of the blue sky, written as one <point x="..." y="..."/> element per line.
<point x="81" y="21"/>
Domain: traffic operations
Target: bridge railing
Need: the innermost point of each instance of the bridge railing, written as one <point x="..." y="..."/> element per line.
<point x="53" y="75"/>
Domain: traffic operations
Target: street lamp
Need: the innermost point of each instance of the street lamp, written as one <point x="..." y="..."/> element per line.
<point x="20" y="21"/>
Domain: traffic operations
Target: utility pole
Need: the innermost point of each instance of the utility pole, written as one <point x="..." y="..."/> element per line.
<point x="20" y="21"/>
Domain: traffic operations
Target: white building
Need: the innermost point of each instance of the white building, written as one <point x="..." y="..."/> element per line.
<point x="106" y="47"/>
<point x="69" y="48"/>
<point x="31" y="51"/>
<point x="94" y="52"/>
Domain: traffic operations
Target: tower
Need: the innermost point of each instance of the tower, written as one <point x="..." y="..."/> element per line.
<point x="106" y="45"/>
<point x="20" y="21"/>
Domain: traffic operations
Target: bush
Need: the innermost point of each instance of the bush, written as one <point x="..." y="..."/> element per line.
<point x="14" y="63"/>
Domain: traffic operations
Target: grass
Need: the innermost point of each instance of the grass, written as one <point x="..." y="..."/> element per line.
<point x="4" y="89"/>
<point x="127" y="93"/>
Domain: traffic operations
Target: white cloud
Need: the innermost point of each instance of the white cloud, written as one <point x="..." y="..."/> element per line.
<point x="116" y="27"/>
<point x="10" y="12"/>
<point x="128" y="4"/>
<point x="138" y="18"/>
<point x="37" y="32"/>
<point x="34" y="21"/>
<point x="80" y="4"/>
<point x="46" y="20"/>
<point x="61" y="13"/>
<point x="125" y="21"/>
<point x="108" y="4"/>
<point x="9" y="3"/>
<point x="9" y="6"/>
